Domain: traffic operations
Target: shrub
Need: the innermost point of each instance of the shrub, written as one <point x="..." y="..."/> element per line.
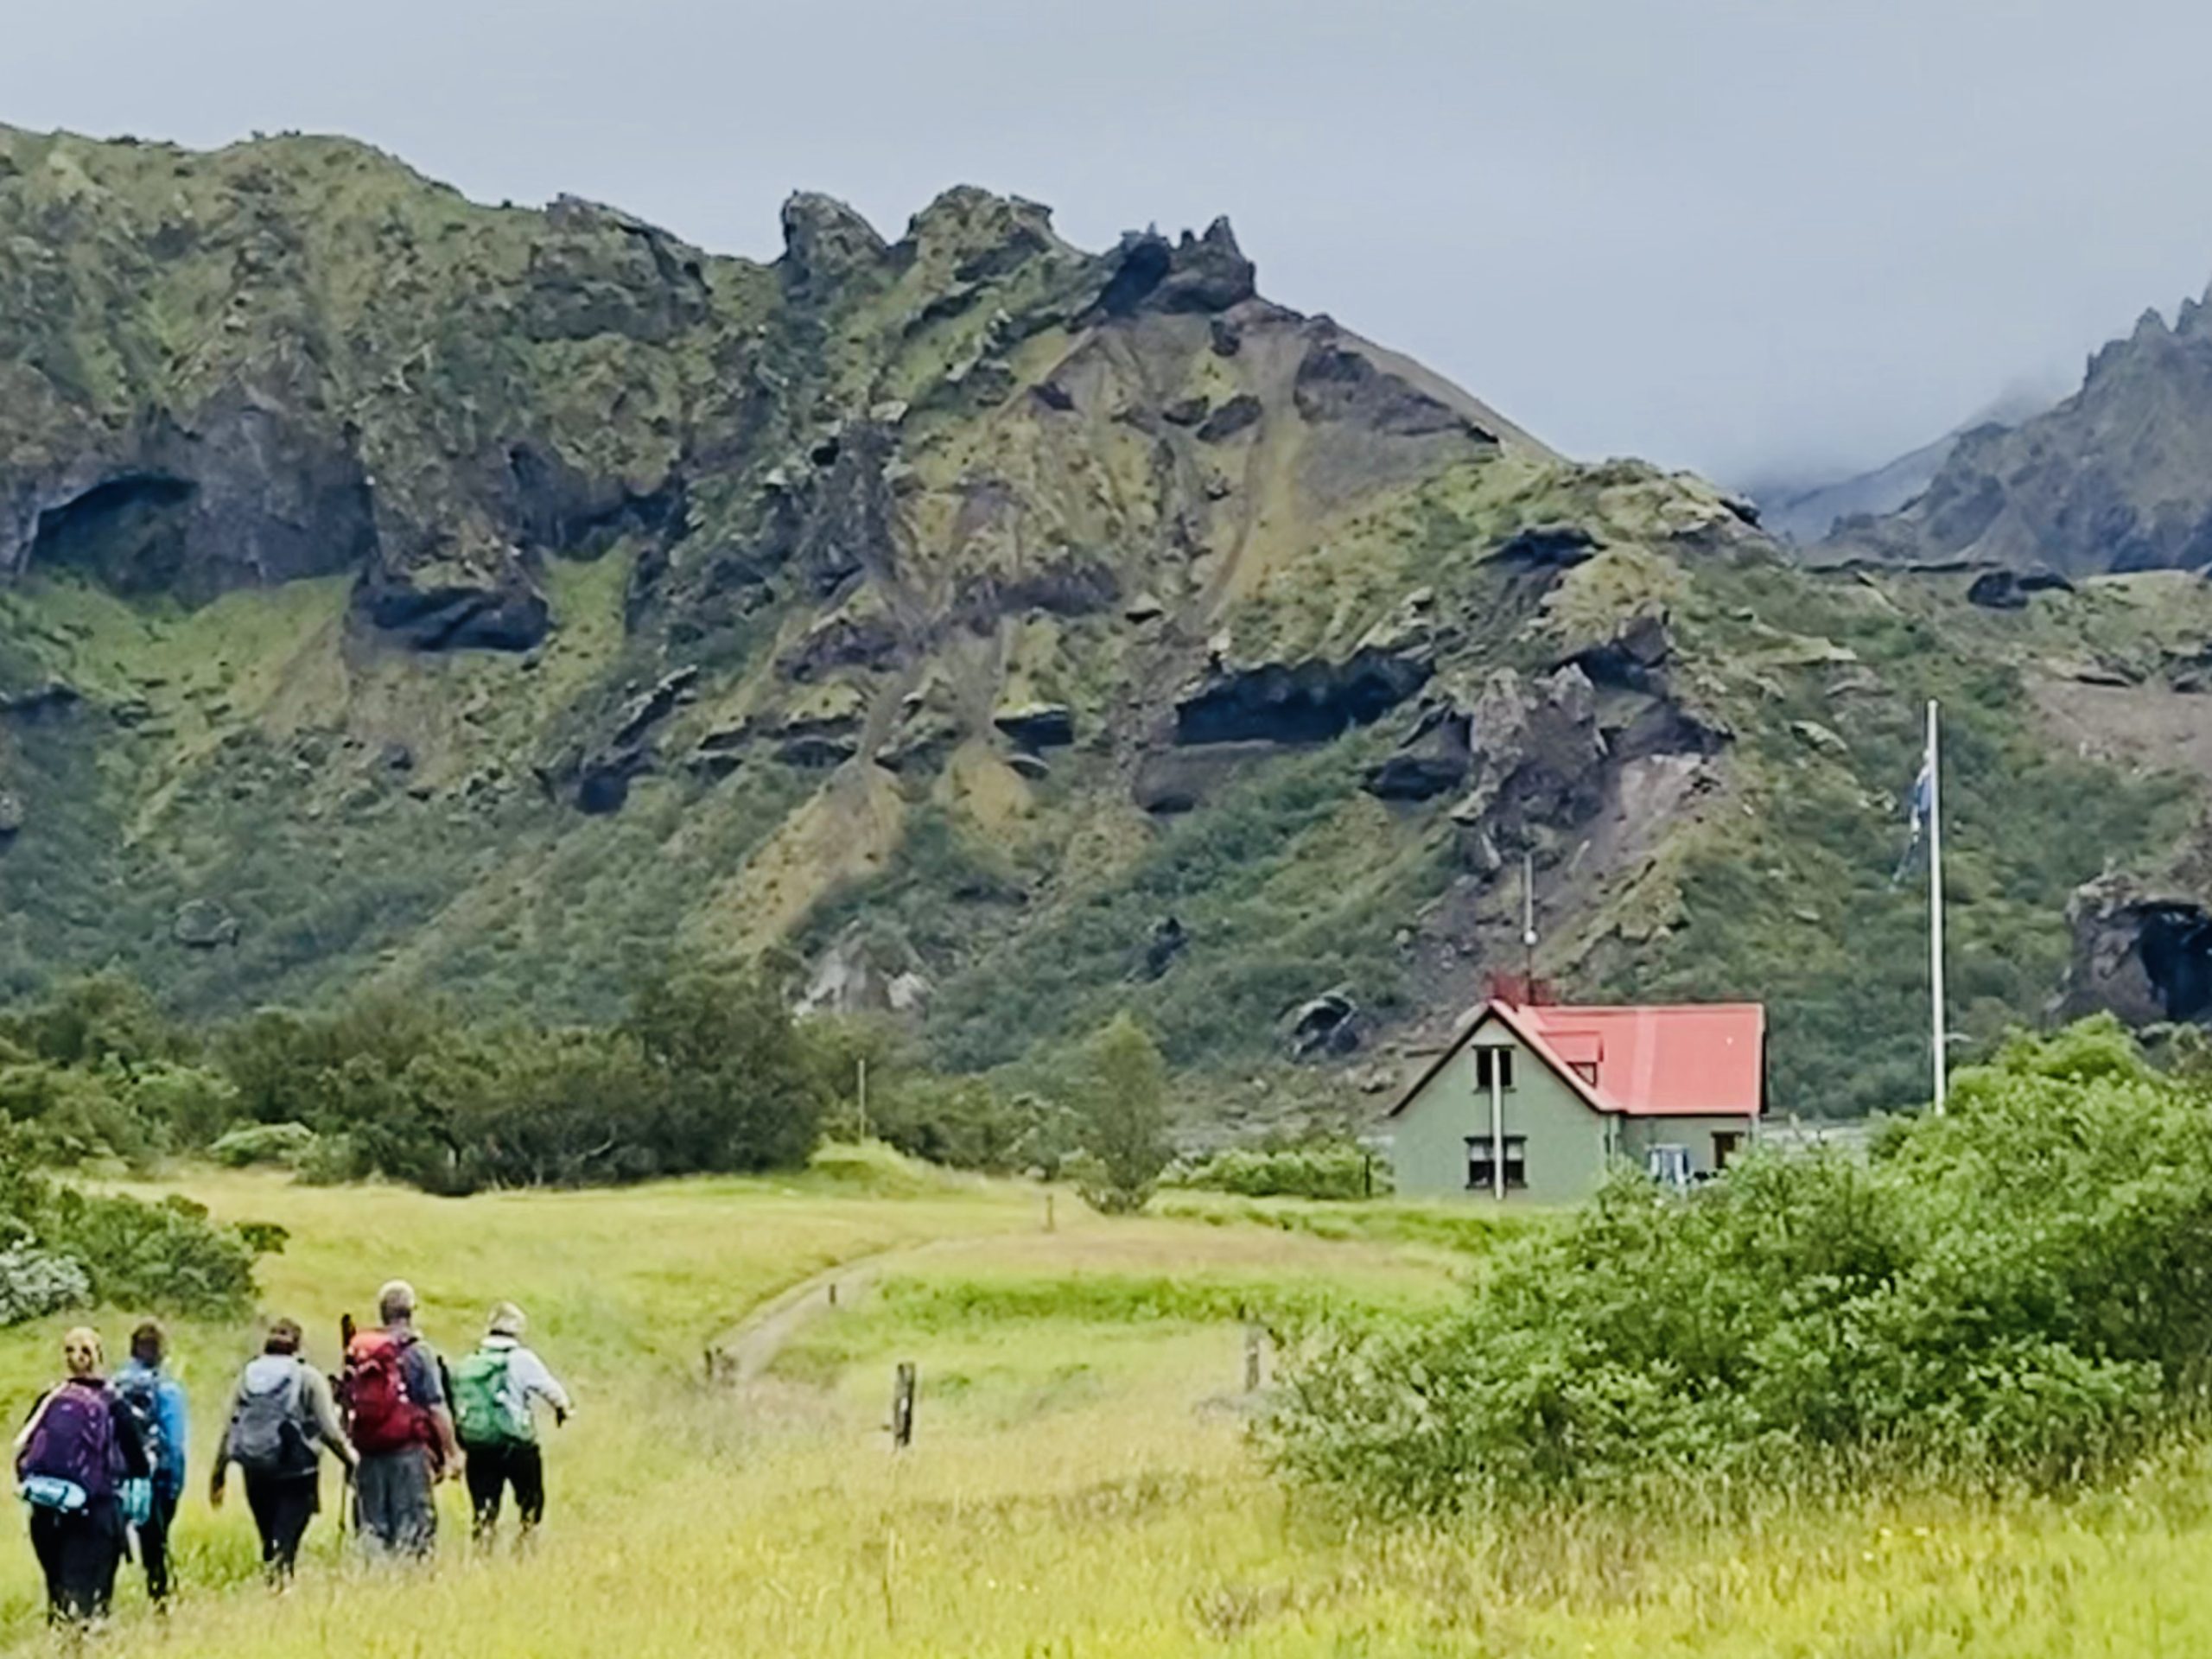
<point x="71" y="1116"/>
<point x="1121" y="1104"/>
<point x="35" y="1282"/>
<point x="165" y="1255"/>
<point x="287" y="1144"/>
<point x="2018" y="1291"/>
<point x="1321" y="1169"/>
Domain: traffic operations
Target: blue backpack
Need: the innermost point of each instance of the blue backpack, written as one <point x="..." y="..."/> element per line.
<point x="72" y="1446"/>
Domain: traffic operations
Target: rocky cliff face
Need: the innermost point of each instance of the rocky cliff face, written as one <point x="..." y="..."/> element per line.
<point x="406" y="592"/>
<point x="2116" y="478"/>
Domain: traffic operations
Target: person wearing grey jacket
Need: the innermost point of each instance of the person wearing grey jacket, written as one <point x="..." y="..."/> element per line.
<point x="280" y="1417"/>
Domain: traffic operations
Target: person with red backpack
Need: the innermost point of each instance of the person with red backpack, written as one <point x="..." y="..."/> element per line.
<point x="396" y="1416"/>
<point x="81" y="1467"/>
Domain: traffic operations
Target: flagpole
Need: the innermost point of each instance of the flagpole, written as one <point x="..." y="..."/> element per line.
<point x="1936" y="907"/>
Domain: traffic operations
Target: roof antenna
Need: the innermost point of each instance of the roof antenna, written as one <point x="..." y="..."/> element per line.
<point x="1529" y="925"/>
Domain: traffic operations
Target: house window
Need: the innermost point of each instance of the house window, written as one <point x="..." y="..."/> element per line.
<point x="1481" y="1168"/>
<point x="1726" y="1143"/>
<point x="1488" y="1061"/>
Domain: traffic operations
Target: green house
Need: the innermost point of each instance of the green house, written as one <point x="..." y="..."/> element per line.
<point x="1534" y="1103"/>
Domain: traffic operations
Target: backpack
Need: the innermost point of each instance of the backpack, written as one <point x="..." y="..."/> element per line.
<point x="267" y="1436"/>
<point x="138" y="1393"/>
<point x="385" y="1416"/>
<point x="485" y="1410"/>
<point x="73" y="1442"/>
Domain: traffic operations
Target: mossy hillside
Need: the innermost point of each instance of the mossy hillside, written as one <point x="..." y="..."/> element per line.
<point x="1799" y="892"/>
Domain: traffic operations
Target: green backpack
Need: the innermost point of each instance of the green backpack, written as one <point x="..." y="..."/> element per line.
<point x="485" y="1410"/>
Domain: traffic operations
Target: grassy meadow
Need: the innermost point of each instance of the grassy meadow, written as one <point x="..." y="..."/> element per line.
<point x="1082" y="1481"/>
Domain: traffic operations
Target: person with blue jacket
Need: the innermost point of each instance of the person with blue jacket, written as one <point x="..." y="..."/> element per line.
<point x="155" y="1401"/>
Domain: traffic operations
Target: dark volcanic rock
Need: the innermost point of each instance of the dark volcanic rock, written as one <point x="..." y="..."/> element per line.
<point x="1037" y="725"/>
<point x="1230" y="418"/>
<point x="1307" y="701"/>
<point x="652" y="706"/>
<point x="1330" y="1025"/>
<point x="1538" y="758"/>
<point x="1546" y="547"/>
<point x="1168" y="940"/>
<point x="1640" y="646"/>
<point x="827" y="246"/>
<point x="2008" y="590"/>
<point x="1196" y="273"/>
<point x="1435" y="758"/>
<point x="247" y="489"/>
<point x="504" y="611"/>
<point x="850" y="524"/>
<point x="1336" y="381"/>
<point x="2144" y="955"/>
<point x="38" y="701"/>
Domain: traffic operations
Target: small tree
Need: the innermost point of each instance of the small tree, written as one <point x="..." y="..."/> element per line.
<point x="1121" y="1099"/>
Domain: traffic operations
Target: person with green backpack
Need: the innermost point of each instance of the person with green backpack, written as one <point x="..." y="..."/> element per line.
<point x="495" y="1391"/>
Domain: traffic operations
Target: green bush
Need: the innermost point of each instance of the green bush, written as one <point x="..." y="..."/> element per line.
<point x="2020" y="1291"/>
<point x="288" y="1144"/>
<point x="1323" y="1169"/>
<point x="165" y="1255"/>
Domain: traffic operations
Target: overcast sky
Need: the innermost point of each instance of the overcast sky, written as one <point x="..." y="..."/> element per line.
<point x="1743" y="235"/>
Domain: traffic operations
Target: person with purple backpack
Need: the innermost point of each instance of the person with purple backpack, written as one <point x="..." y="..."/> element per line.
<point x="82" y="1468"/>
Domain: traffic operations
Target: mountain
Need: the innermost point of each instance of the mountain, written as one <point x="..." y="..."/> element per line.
<point x="1805" y="511"/>
<point x="403" y="593"/>
<point x="2117" y="477"/>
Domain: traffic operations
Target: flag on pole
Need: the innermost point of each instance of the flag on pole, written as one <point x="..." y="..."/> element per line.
<point x="1920" y="803"/>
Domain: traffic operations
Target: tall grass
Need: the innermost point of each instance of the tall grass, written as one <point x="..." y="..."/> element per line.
<point x="1081" y="1482"/>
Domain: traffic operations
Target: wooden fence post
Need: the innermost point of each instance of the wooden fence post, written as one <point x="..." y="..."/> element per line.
<point x="902" y="1406"/>
<point x="833" y="1293"/>
<point x="1252" y="1339"/>
<point x="1048" y="1212"/>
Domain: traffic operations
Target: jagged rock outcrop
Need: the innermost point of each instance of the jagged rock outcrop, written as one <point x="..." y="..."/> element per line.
<point x="1309" y="700"/>
<point x="1537" y="757"/>
<point x="2139" y="952"/>
<point x="2009" y="590"/>
<point x="1206" y="273"/>
<point x="827" y="247"/>
<point x="2116" y="478"/>
<point x="1433" y="759"/>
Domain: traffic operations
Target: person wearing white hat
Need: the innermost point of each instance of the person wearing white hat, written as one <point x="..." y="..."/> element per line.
<point x="496" y="1391"/>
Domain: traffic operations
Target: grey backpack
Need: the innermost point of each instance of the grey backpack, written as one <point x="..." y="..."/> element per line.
<point x="268" y="1436"/>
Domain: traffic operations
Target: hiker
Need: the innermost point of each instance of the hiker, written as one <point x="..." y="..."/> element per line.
<point x="83" y="1474"/>
<point x="396" y="1413"/>
<point x="280" y="1417"/>
<point x="154" y="1401"/>
<point x="495" y="1391"/>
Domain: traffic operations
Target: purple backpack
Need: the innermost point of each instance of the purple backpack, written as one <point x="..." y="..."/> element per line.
<point x="75" y="1440"/>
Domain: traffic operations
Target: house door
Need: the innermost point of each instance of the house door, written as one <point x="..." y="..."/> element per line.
<point x="1726" y="1143"/>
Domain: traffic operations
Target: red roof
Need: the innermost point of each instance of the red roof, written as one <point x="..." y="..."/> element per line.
<point x="1667" y="1061"/>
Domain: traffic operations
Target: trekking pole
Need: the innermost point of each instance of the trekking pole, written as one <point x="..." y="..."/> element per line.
<point x="345" y="1416"/>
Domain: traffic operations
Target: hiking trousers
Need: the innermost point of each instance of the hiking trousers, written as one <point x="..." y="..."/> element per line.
<point x="394" y="1502"/>
<point x="154" y="1541"/>
<point x="495" y="1466"/>
<point x="79" y="1554"/>
<point x="283" y="1505"/>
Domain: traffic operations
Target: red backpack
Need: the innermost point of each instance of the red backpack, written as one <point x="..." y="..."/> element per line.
<point x="385" y="1416"/>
